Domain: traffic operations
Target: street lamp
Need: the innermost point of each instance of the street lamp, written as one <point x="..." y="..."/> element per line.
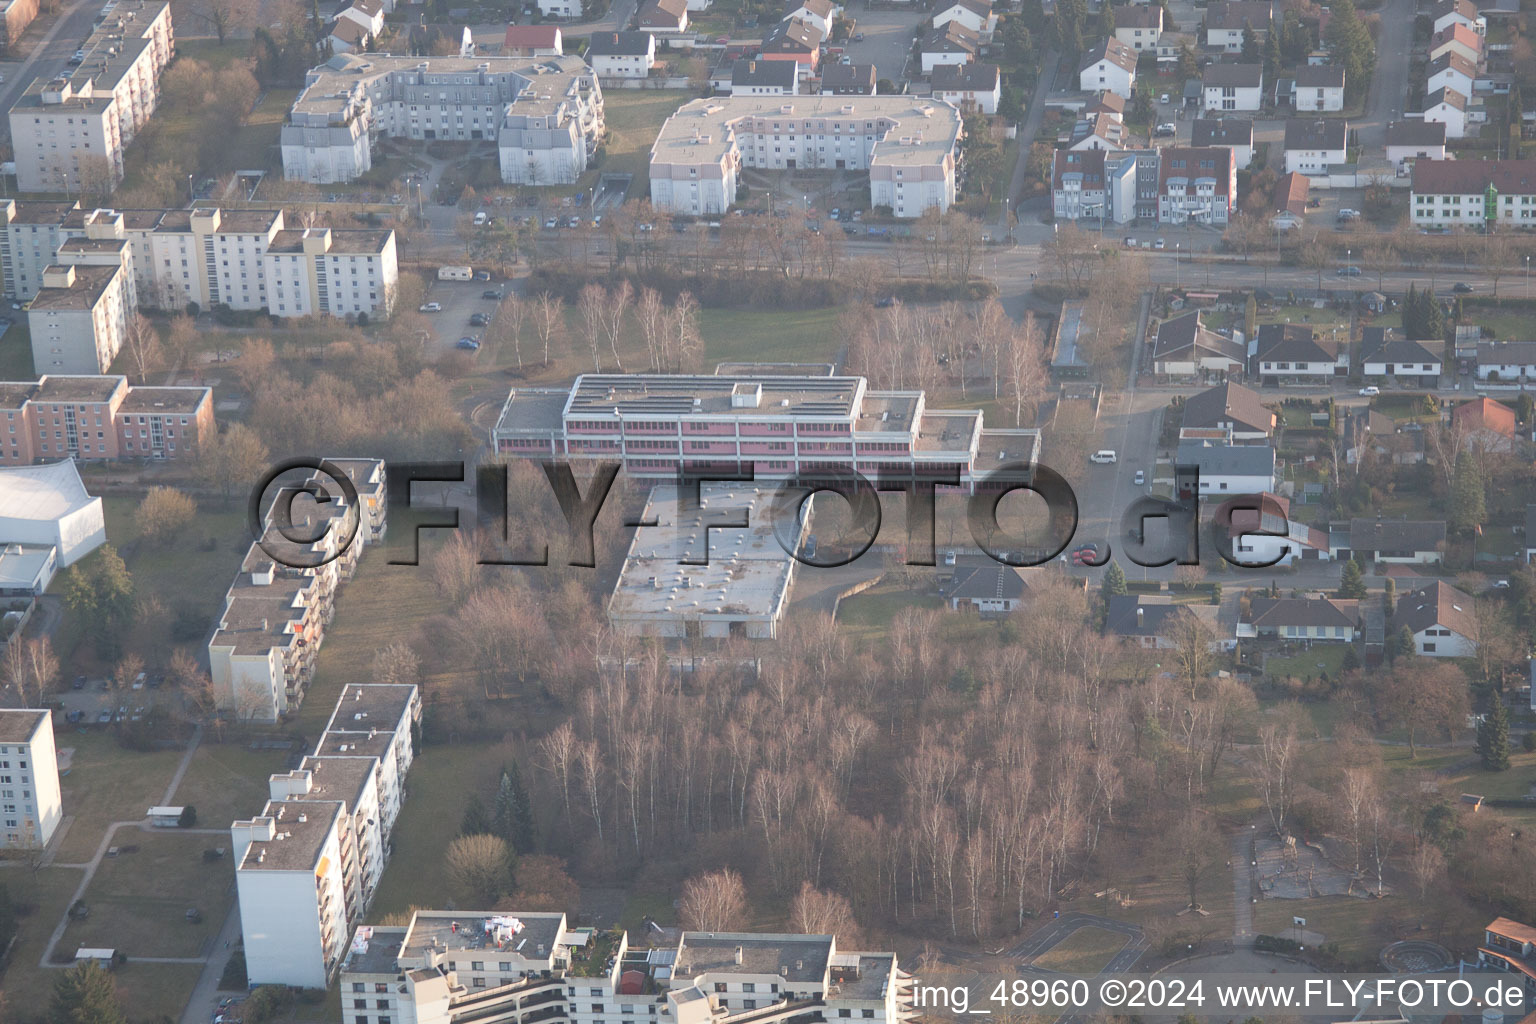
<point x="1176" y="269"/>
<point x="1527" y="277"/>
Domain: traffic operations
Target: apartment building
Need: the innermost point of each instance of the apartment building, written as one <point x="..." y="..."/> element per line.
<point x="99" y="418"/>
<point x="1319" y="88"/>
<point x="621" y="54"/>
<point x="1197" y="185"/>
<point x="78" y="124"/>
<point x="1472" y="193"/>
<point x="658" y="425"/>
<point x="30" y="805"/>
<point x="1225" y="23"/>
<point x="910" y="146"/>
<point x="516" y="968"/>
<point x="79" y="318"/>
<point x="262" y="656"/>
<point x="545" y="113"/>
<point x="244" y="259"/>
<point x="307" y="866"/>
<point x="1229" y="87"/>
<point x="1312" y="147"/>
<point x="15" y="16"/>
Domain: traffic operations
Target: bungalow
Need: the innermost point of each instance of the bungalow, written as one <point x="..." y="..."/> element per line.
<point x="1322" y="619"/>
<point x="1457" y="12"/>
<point x="1507" y="361"/>
<point x="989" y="589"/>
<point x="1111" y="66"/>
<point x="793" y="40"/>
<point x="1153" y="622"/>
<point x="848" y="80"/>
<point x="1447" y="107"/>
<point x="1313" y="146"/>
<point x="1451" y="71"/>
<point x="975" y="85"/>
<point x="1229" y="469"/>
<point x="1395" y="541"/>
<point x="1228" y="87"/>
<point x="765" y="78"/>
<point x="1225" y="23"/>
<point x="1230" y="407"/>
<point x="1485" y="424"/>
<point x="670" y="16"/>
<point x="952" y="44"/>
<point x="976" y="15"/>
<point x="819" y="14"/>
<point x="621" y="54"/>
<point x="1441" y="619"/>
<point x="1458" y="39"/>
<point x="1319" y="89"/>
<point x="1290" y="203"/>
<point x="1408" y="141"/>
<point x="1183" y="347"/>
<point x="1292" y="353"/>
<point x="532" y="41"/>
<point x="1139" y="26"/>
<point x="1282" y="540"/>
<point x="1384" y="355"/>
<point x="1233" y="132"/>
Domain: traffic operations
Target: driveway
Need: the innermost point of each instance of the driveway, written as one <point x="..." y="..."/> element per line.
<point x="887" y="41"/>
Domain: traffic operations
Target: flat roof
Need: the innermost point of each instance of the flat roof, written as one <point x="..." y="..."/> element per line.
<point x="338" y="778"/>
<point x="533" y="410"/>
<point x="353" y="744"/>
<point x="20" y="564"/>
<point x="792" y="957"/>
<point x="748" y="574"/>
<point x="374" y="950"/>
<point x="89" y="286"/>
<point x="83" y="388"/>
<point x="301" y="831"/>
<point x="20" y="725"/>
<point x="668" y="395"/>
<point x="165" y="400"/>
<point x="437" y="930"/>
<point x="363" y="707"/>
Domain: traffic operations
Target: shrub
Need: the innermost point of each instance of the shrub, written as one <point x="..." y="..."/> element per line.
<point x="1275" y="944"/>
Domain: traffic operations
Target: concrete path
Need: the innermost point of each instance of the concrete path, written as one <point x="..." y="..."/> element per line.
<point x="205" y="994"/>
<point x="1242" y="890"/>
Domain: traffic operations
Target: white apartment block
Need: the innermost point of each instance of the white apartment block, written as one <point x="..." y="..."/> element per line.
<point x="908" y="144"/>
<point x="779" y="427"/>
<point x="307" y="866"/>
<point x="545" y="113"/>
<point x="81" y="121"/>
<point x="79" y="318"/>
<point x="30" y="806"/>
<point x="515" y="968"/>
<point x="245" y="259"/>
<point x="1473" y="193"/>
<point x="262" y="656"/>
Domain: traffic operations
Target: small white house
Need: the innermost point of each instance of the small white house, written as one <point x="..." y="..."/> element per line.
<point x="1451" y="71"/>
<point x="820" y="13"/>
<point x="952" y="44"/>
<point x="1319" y="89"/>
<point x="1230" y="469"/>
<point x="1408" y="141"/>
<point x="1139" y="26"/>
<point x="1458" y="12"/>
<point x="1231" y="87"/>
<point x="1311" y="147"/>
<point x="1449" y="108"/>
<point x="974" y="85"/>
<point x="622" y="54"/>
<point x="369" y="14"/>
<point x="1506" y="361"/>
<point x="988" y="589"/>
<point x="976" y="15"/>
<point x="1441" y="619"/>
<point x="560" y="8"/>
<point x="1225" y="24"/>
<point x="1235" y="133"/>
<point x="1109" y="66"/>
<point x="1400" y="359"/>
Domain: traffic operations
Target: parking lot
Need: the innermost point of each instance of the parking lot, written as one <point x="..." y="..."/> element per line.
<point x="887" y="41"/>
<point x="96" y="704"/>
<point x="459" y="300"/>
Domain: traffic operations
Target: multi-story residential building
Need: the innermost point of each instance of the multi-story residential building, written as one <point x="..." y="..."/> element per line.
<point x="98" y="418"/>
<point x="74" y="127"/>
<point x="1225" y="23"/>
<point x="1318" y="88"/>
<point x="1139" y="26"/>
<point x="1312" y="147"/>
<point x="820" y="13"/>
<point x="1109" y="66"/>
<point x="622" y="54"/>
<point x="1233" y="132"/>
<point x="263" y="653"/>
<point x="1472" y="193"/>
<point x="1197" y="185"/>
<point x="79" y="319"/>
<point x="909" y="145"/>
<point x="780" y="427"/>
<point x="514" y="968"/>
<point x="1228" y="87"/>
<point x="307" y="866"/>
<point x="15" y="16"/>
<point x="972" y="86"/>
<point x="30" y="805"/>
<point x="1411" y="141"/>
<point x="244" y="259"/>
<point x="545" y="113"/>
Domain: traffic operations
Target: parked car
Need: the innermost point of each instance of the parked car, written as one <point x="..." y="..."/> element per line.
<point x="1130" y="243"/>
<point x="550" y="223"/>
<point x="858" y="37"/>
<point x="79" y="683"/>
<point x="1370" y="391"/>
<point x="480" y="218"/>
<point x="469" y="344"/>
<point x="1349" y="271"/>
<point x="1159" y="244"/>
<point x="479" y="319"/>
<point x="482" y="275"/>
<point x="1141" y="477"/>
<point x="492" y="294"/>
<point x="1166" y="129"/>
<point x="1461" y="287"/>
<point x="1104" y="457"/>
<point x="431" y="307"/>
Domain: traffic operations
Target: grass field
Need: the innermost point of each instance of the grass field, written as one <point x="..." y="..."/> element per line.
<point x="806" y="336"/>
<point x="1086" y="951"/>
<point x="871" y="613"/>
<point x="1321" y="658"/>
<point x="1360" y="926"/>
<point x="226" y="781"/>
<point x="16" y="350"/>
<point x="24" y="984"/>
<point x="105" y="784"/>
<point x="138" y="901"/>
<point x="633" y="117"/>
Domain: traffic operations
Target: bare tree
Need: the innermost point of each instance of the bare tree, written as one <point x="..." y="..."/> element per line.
<point x="1024" y="363"/>
<point x="142" y="343"/>
<point x="1426" y="864"/>
<point x="592" y="305"/>
<point x="163" y="514"/>
<point x="651" y="312"/>
<point x="30" y="668"/>
<point x="714" y="902"/>
<point x="507" y="325"/>
<point x="1279" y="750"/>
<point x="396" y="663"/>
<point x="618" y="308"/>
<point x="814" y="912"/>
<point x="1198" y="850"/>
<point x="455" y="571"/>
<point x="1192" y="640"/>
<point x="548" y="319"/>
<point x="480" y="867"/>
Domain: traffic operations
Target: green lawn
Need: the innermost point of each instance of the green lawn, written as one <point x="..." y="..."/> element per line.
<point x="16" y="350"/>
<point x="24" y="983"/>
<point x="138" y="901"/>
<point x="1323" y="657"/>
<point x="1360" y="926"/>
<point x="806" y="336"/>
<point x="633" y="118"/>
<point x="226" y="781"/>
<point x="106" y="783"/>
<point x="1086" y="951"/>
<point x="212" y="54"/>
<point x="871" y="613"/>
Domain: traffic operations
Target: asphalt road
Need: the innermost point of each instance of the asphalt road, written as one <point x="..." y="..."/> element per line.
<point x="1389" y="86"/>
<point x="52" y="54"/>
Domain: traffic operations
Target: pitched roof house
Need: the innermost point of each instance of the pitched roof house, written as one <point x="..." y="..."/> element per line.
<point x="1293" y="352"/>
<point x="1153" y="622"/>
<point x="1184" y="347"/>
<point x="1302" y="618"/>
<point x="1485" y="424"/>
<point x="1441" y="618"/>
<point x="664" y="15"/>
<point x="1399" y="541"/>
<point x="1230" y="407"/>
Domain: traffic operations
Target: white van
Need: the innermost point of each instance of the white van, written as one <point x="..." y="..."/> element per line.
<point x="1103" y="457"/>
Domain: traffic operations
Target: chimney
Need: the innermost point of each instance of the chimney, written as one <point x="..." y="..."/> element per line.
<point x="1140" y="611"/>
<point x="738" y="956"/>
